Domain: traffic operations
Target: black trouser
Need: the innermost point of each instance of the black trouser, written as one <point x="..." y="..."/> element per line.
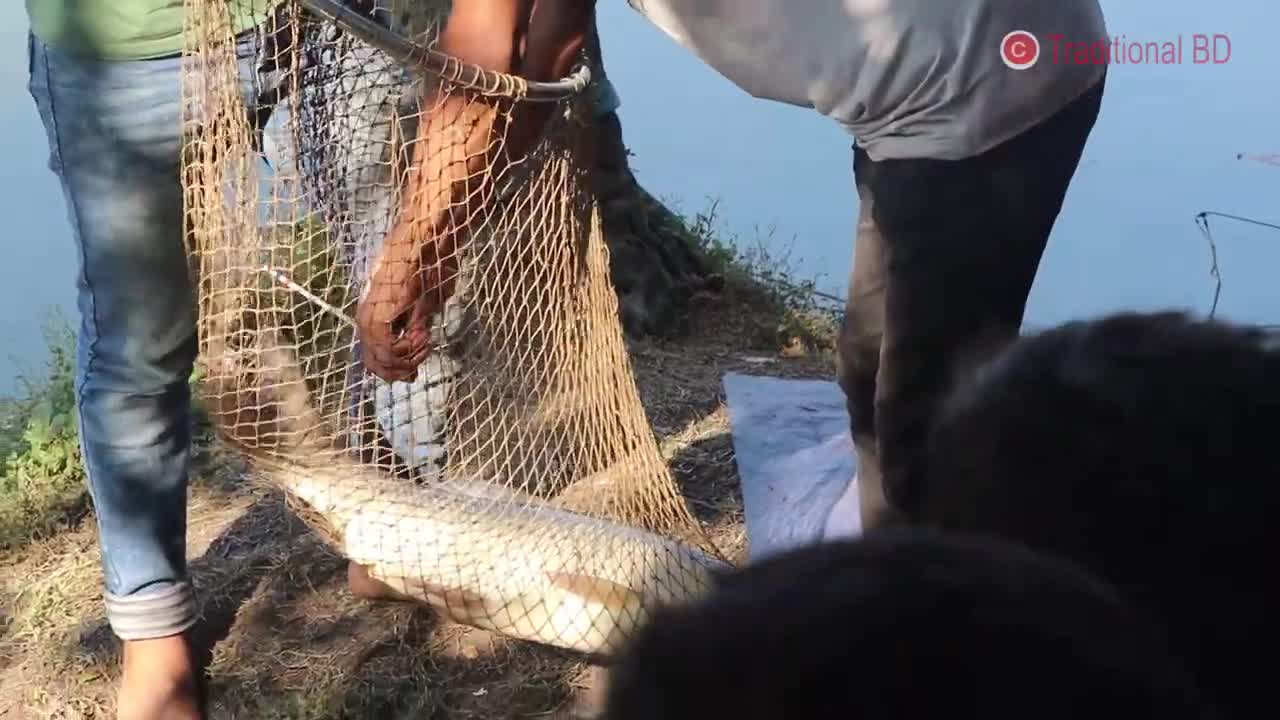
<point x="944" y="259"/>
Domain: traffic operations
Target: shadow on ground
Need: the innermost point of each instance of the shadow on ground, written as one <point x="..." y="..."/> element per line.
<point x="707" y="474"/>
<point x="284" y="638"/>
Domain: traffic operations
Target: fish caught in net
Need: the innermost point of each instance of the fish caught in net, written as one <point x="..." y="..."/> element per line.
<point x="511" y="480"/>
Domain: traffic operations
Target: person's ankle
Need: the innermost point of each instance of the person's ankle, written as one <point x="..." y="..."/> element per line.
<point x="160" y="681"/>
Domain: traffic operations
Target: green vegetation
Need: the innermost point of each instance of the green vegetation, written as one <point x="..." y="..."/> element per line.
<point x="43" y="479"/>
<point x="785" y="310"/>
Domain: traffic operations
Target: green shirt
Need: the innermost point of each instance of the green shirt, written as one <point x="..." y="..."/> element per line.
<point x="124" y="29"/>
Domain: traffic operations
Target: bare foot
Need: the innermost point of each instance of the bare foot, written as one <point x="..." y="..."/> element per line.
<point x="364" y="586"/>
<point x="159" y="681"/>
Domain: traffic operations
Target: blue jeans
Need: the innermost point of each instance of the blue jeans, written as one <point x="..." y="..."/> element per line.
<point x="114" y="131"/>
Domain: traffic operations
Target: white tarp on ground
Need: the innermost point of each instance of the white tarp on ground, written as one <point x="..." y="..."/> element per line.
<point x="795" y="460"/>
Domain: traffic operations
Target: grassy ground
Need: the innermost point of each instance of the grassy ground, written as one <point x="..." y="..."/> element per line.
<point x="288" y="640"/>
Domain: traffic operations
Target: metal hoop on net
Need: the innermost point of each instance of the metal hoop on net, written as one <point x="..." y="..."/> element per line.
<point x="446" y="66"/>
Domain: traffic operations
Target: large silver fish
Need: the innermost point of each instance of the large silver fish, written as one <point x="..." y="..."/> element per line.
<point x="496" y="559"/>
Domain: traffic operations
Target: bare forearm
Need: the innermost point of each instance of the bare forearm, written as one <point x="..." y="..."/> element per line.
<point x="453" y="136"/>
<point x="464" y="143"/>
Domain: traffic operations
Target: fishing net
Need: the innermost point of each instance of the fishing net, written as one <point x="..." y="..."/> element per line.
<point x="514" y="484"/>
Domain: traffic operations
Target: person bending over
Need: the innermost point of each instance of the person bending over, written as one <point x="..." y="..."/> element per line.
<point x="963" y="156"/>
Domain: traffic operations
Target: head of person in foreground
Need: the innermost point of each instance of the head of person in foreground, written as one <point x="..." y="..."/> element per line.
<point x="901" y="624"/>
<point x="1141" y="446"/>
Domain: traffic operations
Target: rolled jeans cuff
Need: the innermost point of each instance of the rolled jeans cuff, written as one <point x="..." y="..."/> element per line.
<point x="154" y="613"/>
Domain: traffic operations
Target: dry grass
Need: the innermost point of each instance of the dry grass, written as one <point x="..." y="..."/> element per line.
<point x="289" y="640"/>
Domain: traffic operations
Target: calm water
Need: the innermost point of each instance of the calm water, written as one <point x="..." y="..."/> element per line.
<point x="1164" y="150"/>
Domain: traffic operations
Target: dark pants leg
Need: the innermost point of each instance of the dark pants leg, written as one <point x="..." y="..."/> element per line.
<point x="944" y="260"/>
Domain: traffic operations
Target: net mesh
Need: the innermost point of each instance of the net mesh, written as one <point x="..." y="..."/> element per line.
<point x="514" y="483"/>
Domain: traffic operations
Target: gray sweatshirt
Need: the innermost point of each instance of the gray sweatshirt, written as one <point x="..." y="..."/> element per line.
<point x="907" y="78"/>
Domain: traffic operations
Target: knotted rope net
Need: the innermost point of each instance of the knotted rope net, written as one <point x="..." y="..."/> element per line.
<point x="514" y="483"/>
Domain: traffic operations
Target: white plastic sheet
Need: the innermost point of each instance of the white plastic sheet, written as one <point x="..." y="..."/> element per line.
<point x="795" y="459"/>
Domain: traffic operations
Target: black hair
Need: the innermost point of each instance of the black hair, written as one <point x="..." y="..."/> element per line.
<point x="901" y="624"/>
<point x="1142" y="447"/>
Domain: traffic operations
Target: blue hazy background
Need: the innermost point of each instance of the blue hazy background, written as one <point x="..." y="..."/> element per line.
<point x="1165" y="148"/>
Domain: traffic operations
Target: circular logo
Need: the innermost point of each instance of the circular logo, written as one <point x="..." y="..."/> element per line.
<point x="1019" y="49"/>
